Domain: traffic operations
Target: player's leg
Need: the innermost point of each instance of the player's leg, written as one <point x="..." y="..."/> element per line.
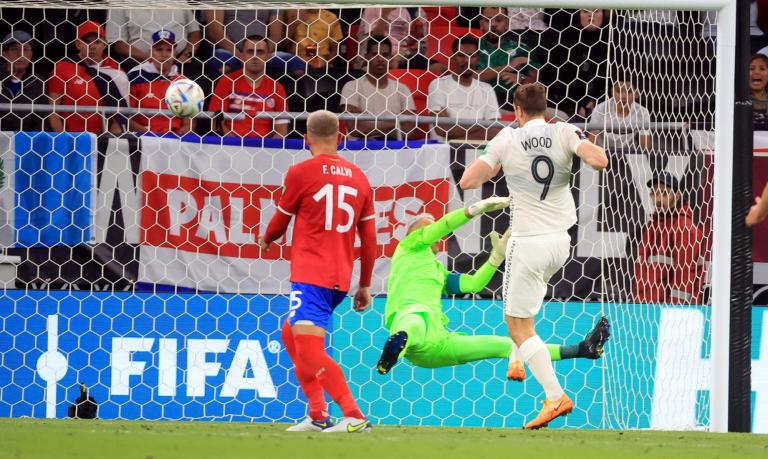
<point x="591" y="347"/>
<point x="318" y="418"/>
<point x="449" y="349"/>
<point x="407" y="330"/>
<point x="310" y="319"/>
<point x="458" y="349"/>
<point x="530" y="264"/>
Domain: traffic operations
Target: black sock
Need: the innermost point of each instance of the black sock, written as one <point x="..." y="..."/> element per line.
<point x="571" y="352"/>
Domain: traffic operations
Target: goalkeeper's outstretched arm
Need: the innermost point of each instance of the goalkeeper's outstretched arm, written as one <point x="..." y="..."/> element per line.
<point x="473" y="283"/>
<point x="451" y="221"/>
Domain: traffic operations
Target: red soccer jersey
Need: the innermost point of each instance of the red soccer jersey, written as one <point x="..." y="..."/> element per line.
<point x="148" y="88"/>
<point x="327" y="196"/>
<point x="76" y="87"/>
<point x="234" y="93"/>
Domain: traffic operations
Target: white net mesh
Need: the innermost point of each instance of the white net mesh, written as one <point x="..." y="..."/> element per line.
<point x="131" y="262"/>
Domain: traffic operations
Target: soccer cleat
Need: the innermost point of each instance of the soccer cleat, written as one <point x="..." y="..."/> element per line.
<point x="516" y="371"/>
<point x="391" y="352"/>
<point x="592" y="346"/>
<point x="350" y="425"/>
<point x="311" y="425"/>
<point x="550" y="411"/>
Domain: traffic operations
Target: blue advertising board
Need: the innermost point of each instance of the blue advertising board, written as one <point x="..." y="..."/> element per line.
<point x="146" y="356"/>
<point x="654" y="374"/>
<point x="219" y="357"/>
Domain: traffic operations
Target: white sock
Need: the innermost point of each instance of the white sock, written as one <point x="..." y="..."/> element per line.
<point x="536" y="355"/>
<point x="515" y="354"/>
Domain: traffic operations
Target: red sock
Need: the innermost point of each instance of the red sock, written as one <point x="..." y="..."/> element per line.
<point x="311" y="350"/>
<point x="318" y="409"/>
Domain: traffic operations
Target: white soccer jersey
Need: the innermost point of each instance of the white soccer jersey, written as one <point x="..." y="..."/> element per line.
<point x="537" y="160"/>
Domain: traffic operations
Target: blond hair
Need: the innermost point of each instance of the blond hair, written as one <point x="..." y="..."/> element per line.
<point x="323" y="124"/>
<point x="414" y="222"/>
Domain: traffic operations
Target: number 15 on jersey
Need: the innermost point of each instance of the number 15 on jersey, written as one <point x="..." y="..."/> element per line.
<point x="341" y="192"/>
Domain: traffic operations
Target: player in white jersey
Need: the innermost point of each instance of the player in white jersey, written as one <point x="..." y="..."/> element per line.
<point x="536" y="159"/>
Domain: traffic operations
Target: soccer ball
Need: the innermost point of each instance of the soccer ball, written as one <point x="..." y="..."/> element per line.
<point x="184" y="98"/>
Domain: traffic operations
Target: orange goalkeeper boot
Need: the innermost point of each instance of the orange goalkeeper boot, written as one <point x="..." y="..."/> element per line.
<point x="551" y="410"/>
<point x="516" y="371"/>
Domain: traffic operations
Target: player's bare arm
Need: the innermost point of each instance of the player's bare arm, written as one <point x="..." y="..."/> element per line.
<point x="476" y="174"/>
<point x="593" y="155"/>
<point x="759" y="211"/>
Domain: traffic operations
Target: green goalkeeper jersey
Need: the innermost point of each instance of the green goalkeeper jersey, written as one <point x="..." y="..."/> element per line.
<point x="417" y="279"/>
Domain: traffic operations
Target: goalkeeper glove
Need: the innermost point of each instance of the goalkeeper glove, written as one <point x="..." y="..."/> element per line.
<point x="488" y="205"/>
<point x="498" y="248"/>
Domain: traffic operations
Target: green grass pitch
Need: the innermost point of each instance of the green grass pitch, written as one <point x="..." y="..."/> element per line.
<point x="62" y="439"/>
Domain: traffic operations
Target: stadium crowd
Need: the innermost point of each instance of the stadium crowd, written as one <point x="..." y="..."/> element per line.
<point x="378" y="61"/>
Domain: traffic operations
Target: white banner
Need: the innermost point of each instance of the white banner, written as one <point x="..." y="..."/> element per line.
<point x="205" y="205"/>
<point x="7" y="188"/>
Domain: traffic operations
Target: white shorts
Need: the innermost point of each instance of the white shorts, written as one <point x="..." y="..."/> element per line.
<point x="531" y="262"/>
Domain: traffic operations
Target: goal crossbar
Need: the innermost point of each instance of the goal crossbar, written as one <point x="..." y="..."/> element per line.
<point x="689" y="5"/>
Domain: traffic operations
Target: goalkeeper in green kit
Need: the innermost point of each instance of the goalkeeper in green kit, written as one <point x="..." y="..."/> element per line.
<point x="414" y="312"/>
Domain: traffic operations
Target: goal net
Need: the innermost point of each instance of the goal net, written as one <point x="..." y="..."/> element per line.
<point x="130" y="261"/>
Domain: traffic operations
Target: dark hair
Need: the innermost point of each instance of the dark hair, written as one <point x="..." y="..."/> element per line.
<point x="466" y="40"/>
<point x="502" y="9"/>
<point x="757" y="56"/>
<point x="253" y="38"/>
<point x="376" y="40"/>
<point x="531" y="98"/>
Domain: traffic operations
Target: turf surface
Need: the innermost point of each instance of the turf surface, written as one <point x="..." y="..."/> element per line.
<point x="35" y="438"/>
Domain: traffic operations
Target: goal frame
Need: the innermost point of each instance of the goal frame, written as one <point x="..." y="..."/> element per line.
<point x="724" y="136"/>
<point x="722" y="217"/>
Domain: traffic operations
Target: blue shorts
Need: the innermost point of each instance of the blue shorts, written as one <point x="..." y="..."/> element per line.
<point x="310" y="303"/>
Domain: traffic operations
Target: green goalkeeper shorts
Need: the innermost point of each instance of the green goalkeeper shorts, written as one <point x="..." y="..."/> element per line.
<point x="437" y="347"/>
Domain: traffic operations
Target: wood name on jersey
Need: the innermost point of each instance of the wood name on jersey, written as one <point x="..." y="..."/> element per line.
<point x="337" y="170"/>
<point x="537" y="142"/>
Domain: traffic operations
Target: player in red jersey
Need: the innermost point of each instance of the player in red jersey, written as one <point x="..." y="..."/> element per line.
<point x="330" y="198"/>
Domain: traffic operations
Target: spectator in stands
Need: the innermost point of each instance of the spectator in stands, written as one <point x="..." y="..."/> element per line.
<point x="669" y="266"/>
<point x="576" y="72"/>
<point x="249" y="91"/>
<point x="54" y="30"/>
<point x="394" y="23"/>
<point x="19" y="84"/>
<point x="461" y="95"/>
<point x="758" y="26"/>
<point x="149" y="81"/>
<point x="758" y="82"/>
<point x="315" y="35"/>
<point x="92" y="80"/>
<point x="375" y="94"/>
<point x="225" y="28"/>
<point x="621" y="112"/>
<point x="504" y="61"/>
<point x="527" y="25"/>
<point x="130" y="33"/>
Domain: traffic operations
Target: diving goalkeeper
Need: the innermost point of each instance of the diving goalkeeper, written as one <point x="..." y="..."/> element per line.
<point x="414" y="313"/>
